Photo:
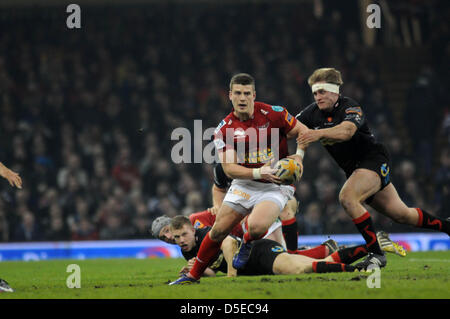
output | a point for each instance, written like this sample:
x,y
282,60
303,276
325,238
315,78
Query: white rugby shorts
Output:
x,y
244,194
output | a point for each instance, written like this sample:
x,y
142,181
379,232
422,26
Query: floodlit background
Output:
x,y
87,114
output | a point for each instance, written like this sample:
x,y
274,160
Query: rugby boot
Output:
x,y
372,260
240,259
184,280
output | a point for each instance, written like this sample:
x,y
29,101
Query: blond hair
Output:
x,y
328,75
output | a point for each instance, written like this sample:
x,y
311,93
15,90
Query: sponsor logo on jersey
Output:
x,y
239,132
277,108
260,156
355,109
264,112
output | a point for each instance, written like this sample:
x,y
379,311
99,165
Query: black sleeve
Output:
x,y
304,116
353,112
220,178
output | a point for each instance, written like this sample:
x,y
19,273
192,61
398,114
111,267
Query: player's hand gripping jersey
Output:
x,y
231,132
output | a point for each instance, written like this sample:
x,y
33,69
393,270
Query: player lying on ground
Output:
x,y
339,123
267,257
161,230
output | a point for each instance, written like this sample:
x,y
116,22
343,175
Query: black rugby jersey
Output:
x,y
220,178
346,154
219,263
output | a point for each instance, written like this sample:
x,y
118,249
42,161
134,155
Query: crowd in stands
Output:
x,y
87,114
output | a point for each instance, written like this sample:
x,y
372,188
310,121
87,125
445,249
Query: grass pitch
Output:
x,y
423,275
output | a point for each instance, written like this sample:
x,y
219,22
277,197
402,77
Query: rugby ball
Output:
x,y
288,170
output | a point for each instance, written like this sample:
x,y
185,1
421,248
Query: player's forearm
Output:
x,y
235,171
339,133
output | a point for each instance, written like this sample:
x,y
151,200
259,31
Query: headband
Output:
x,y
330,87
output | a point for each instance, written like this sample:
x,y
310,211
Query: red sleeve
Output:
x,y
282,118
287,121
202,219
220,137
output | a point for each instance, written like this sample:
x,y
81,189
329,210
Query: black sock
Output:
x,y
426,220
290,233
325,266
365,227
350,254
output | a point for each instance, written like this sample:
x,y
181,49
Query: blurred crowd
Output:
x,y
87,114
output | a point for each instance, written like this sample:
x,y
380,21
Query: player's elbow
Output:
x,y
348,132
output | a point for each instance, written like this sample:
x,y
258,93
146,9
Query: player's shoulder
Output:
x,y
350,106
346,101
226,122
307,110
268,109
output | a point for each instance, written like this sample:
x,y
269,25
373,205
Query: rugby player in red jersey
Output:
x,y
251,136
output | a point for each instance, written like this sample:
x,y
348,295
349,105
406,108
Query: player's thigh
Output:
x,y
388,202
362,184
263,215
287,264
289,210
226,219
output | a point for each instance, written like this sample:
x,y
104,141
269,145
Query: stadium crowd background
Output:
x,y
87,115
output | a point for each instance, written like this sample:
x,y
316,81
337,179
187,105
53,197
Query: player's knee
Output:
x,y
257,229
287,214
217,234
346,200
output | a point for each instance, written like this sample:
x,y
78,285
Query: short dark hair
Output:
x,y
242,78
179,221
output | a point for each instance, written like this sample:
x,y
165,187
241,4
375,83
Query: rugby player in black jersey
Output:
x,y
339,123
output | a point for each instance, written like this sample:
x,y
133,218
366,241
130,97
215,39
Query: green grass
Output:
x,y
419,275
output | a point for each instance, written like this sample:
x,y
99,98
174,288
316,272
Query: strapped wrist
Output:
x,y
257,173
300,152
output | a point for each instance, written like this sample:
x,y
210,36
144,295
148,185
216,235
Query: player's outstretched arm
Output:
x,y
12,177
340,133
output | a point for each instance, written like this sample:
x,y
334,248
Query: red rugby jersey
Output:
x,y
232,131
